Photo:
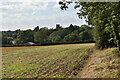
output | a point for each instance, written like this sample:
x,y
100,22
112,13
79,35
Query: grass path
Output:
x,y
89,69
102,64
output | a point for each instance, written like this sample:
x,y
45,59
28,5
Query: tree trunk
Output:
x,y
117,36
118,41
119,44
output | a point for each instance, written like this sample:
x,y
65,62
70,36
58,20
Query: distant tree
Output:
x,y
41,36
71,26
85,36
36,28
58,26
20,38
86,33
24,37
0,38
55,37
45,35
6,39
29,33
73,37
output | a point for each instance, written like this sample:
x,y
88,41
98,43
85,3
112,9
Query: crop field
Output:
x,y
58,61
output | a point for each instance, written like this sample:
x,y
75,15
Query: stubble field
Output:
x,y
59,61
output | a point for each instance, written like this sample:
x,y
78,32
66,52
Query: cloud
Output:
x,y
24,6
30,0
26,14
25,21
34,12
56,5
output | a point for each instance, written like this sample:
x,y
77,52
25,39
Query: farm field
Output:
x,y
59,61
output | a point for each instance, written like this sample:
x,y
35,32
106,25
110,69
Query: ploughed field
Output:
x,y
58,61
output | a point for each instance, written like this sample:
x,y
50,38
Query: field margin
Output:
x,y
0,58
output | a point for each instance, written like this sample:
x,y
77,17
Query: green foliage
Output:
x,y
36,28
24,37
6,38
79,34
73,37
41,35
104,17
70,34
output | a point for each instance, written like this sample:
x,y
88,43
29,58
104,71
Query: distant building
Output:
x,y
31,43
13,42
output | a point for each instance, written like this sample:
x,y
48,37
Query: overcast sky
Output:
x,y
26,14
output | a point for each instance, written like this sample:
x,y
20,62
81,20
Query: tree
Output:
x,y
55,37
101,16
40,36
73,37
6,37
85,36
24,37
36,28
58,26
6,40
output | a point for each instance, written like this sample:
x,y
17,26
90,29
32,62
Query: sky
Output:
x,y
27,14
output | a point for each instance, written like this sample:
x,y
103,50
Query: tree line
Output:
x,y
104,17
71,34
